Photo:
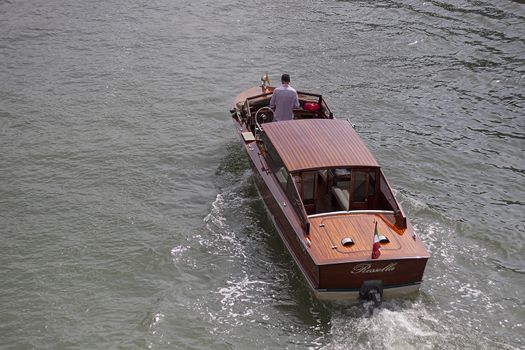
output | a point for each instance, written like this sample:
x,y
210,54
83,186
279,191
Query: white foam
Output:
x,y
395,327
177,251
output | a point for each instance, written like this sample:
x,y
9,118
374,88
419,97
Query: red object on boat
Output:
x,y
312,106
376,248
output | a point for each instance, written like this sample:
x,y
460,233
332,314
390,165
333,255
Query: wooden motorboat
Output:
x,y
329,200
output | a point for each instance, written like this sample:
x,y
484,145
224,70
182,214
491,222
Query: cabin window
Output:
x,y
291,192
342,178
295,200
343,173
341,187
354,189
359,186
275,162
372,184
308,187
282,176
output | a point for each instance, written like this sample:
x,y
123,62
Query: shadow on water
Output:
x,y
234,163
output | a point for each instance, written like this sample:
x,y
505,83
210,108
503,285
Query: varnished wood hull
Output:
x,y
289,235
331,270
334,281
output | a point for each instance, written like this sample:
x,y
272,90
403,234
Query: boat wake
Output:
x,y
405,325
450,309
220,223
240,297
256,295
447,311
255,284
397,325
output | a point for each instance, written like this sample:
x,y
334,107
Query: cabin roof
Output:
x,y
318,143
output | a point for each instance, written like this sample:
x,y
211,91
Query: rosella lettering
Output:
x,y
367,268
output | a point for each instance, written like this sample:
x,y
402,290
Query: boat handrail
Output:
x,y
351,212
264,94
259,96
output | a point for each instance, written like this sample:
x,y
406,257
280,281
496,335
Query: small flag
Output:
x,y
376,250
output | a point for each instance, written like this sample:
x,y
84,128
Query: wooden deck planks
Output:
x,y
327,232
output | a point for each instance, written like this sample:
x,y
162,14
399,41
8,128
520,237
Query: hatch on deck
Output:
x,y
248,136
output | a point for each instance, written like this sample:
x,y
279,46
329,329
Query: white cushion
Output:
x,y
343,197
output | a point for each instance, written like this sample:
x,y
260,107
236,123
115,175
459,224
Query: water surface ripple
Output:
x,y
128,215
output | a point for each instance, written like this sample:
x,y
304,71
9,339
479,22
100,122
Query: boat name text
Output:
x,y
367,268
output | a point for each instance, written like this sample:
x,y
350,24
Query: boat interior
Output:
x,y
333,190
329,192
255,110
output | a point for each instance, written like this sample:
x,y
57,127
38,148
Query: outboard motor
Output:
x,y
372,290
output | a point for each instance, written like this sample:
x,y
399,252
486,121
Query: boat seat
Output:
x,y
342,196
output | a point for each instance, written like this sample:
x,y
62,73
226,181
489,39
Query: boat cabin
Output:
x,y
323,166
321,163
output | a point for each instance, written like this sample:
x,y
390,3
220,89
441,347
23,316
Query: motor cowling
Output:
x,y
372,290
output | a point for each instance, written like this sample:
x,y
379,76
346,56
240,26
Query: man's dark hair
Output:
x,y
285,78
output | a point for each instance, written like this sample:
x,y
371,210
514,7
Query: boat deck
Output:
x,y
328,230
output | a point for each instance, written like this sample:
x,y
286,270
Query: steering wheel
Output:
x,y
263,115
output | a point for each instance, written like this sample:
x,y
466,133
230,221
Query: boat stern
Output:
x,y
342,245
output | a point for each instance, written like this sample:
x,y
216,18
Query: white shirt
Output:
x,y
283,100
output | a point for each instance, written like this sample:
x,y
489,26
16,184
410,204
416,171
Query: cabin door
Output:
x,y
359,192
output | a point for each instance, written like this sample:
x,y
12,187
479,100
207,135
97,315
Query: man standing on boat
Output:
x,y
284,99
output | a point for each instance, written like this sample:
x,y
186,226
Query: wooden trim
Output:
x,y
390,212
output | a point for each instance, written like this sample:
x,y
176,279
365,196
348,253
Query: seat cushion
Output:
x,y
342,196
